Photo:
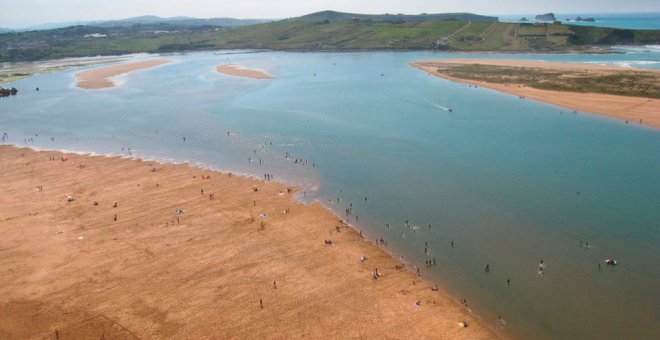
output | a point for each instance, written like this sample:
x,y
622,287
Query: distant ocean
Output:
x,y
621,20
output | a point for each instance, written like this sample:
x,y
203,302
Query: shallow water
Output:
x,y
509,181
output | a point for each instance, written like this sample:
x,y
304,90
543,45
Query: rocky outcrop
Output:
x,y
546,17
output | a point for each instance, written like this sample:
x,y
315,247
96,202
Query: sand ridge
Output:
x,y
630,109
99,78
193,253
240,71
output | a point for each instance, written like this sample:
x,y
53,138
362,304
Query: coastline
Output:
x,y
14,71
638,110
99,78
240,71
138,273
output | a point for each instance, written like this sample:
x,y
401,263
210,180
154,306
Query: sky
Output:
x,y
23,13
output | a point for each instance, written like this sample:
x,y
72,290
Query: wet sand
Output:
x,y
99,78
20,70
239,71
70,268
632,109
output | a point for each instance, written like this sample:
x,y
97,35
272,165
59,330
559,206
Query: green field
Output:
x,y
309,35
628,83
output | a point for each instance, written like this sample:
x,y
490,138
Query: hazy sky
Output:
x,y
21,13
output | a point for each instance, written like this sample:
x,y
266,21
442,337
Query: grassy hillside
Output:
x,y
312,35
180,21
629,83
332,16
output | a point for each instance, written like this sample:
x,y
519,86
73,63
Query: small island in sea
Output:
x,y
546,17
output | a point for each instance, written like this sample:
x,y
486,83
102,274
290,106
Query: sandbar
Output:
x,y
239,71
99,78
628,108
194,253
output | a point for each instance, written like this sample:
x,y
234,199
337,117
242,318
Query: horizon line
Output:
x,y
82,21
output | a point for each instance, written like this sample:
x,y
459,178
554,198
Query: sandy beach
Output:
x,y
193,253
10,72
239,71
99,78
631,109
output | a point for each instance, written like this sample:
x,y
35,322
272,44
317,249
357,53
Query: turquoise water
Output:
x,y
647,21
509,181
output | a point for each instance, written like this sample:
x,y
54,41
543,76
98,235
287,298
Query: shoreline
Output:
x,y
634,110
318,219
243,72
13,71
591,49
100,78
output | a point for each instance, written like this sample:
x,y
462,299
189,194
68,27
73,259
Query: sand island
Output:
x,y
240,71
104,247
630,94
99,78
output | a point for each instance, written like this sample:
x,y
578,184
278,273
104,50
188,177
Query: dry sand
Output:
x,y
633,109
239,71
99,78
70,268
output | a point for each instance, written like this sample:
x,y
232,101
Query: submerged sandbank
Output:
x,y
99,78
189,252
631,109
239,71
19,70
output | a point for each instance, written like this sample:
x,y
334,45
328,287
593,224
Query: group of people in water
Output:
x,y
349,210
5,138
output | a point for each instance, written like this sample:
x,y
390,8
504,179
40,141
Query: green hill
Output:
x,y
332,16
323,31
